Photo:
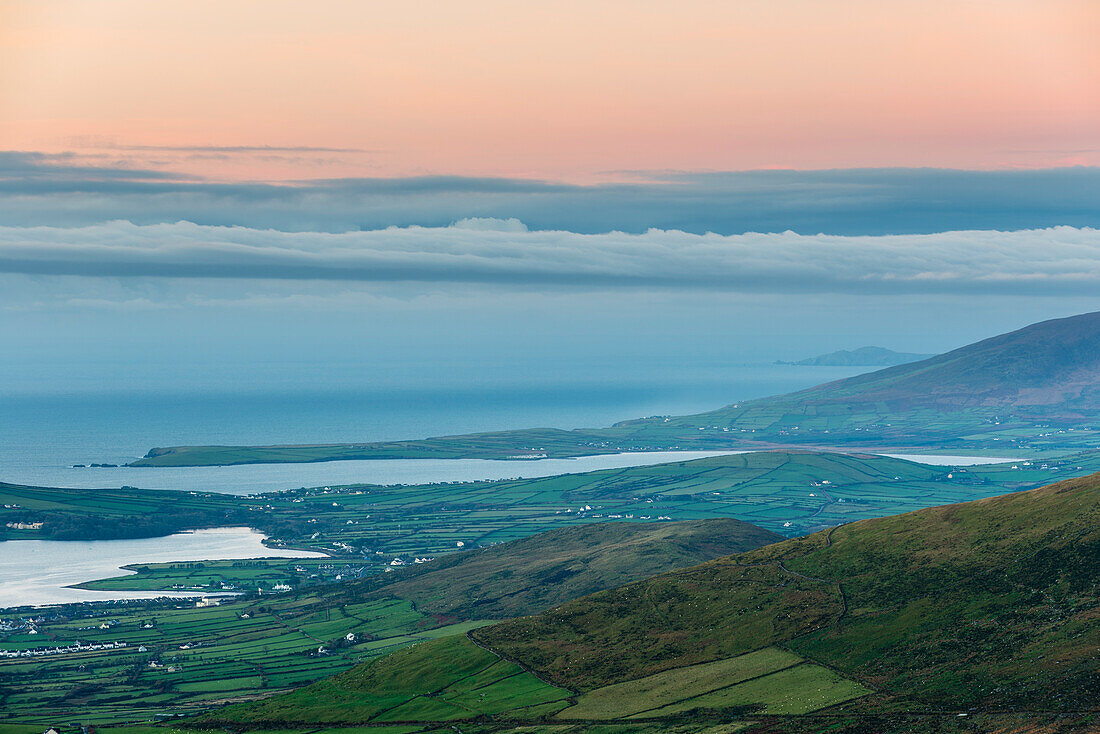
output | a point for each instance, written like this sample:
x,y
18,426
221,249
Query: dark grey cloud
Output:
x,y
28,168
37,189
1060,261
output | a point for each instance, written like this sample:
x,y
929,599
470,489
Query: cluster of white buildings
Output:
x,y
76,647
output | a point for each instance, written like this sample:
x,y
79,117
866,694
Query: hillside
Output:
x,y
1034,389
260,645
991,603
1054,364
539,572
861,357
987,608
106,514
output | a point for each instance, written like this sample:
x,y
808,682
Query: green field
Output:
x,y
672,687
196,658
792,493
452,679
801,689
229,656
448,679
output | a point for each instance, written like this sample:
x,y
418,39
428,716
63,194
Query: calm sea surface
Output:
x,y
44,432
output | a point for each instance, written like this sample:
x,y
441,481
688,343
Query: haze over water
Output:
x,y
84,425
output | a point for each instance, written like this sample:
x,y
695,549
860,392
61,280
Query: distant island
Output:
x,y
862,357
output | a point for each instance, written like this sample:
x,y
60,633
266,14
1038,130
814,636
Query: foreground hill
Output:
x,y
988,604
1032,389
988,609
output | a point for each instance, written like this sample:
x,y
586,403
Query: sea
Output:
x,y
45,432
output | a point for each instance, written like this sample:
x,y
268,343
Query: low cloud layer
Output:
x,y
1060,261
62,190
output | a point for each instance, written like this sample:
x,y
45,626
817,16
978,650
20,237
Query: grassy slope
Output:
x,y
428,682
231,655
453,679
989,604
987,608
998,388
536,573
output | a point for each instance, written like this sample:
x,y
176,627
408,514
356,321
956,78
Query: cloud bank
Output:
x,y
1059,261
39,189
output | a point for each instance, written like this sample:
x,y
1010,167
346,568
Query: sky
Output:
x,y
576,90
524,190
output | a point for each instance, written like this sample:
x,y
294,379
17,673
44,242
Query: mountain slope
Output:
x,y
253,646
1005,392
987,610
991,603
1054,363
541,571
1032,389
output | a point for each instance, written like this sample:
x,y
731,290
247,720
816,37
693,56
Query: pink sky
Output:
x,y
570,89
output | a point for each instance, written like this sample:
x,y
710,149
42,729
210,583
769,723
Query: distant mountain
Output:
x,y
862,357
1054,364
985,610
1035,388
